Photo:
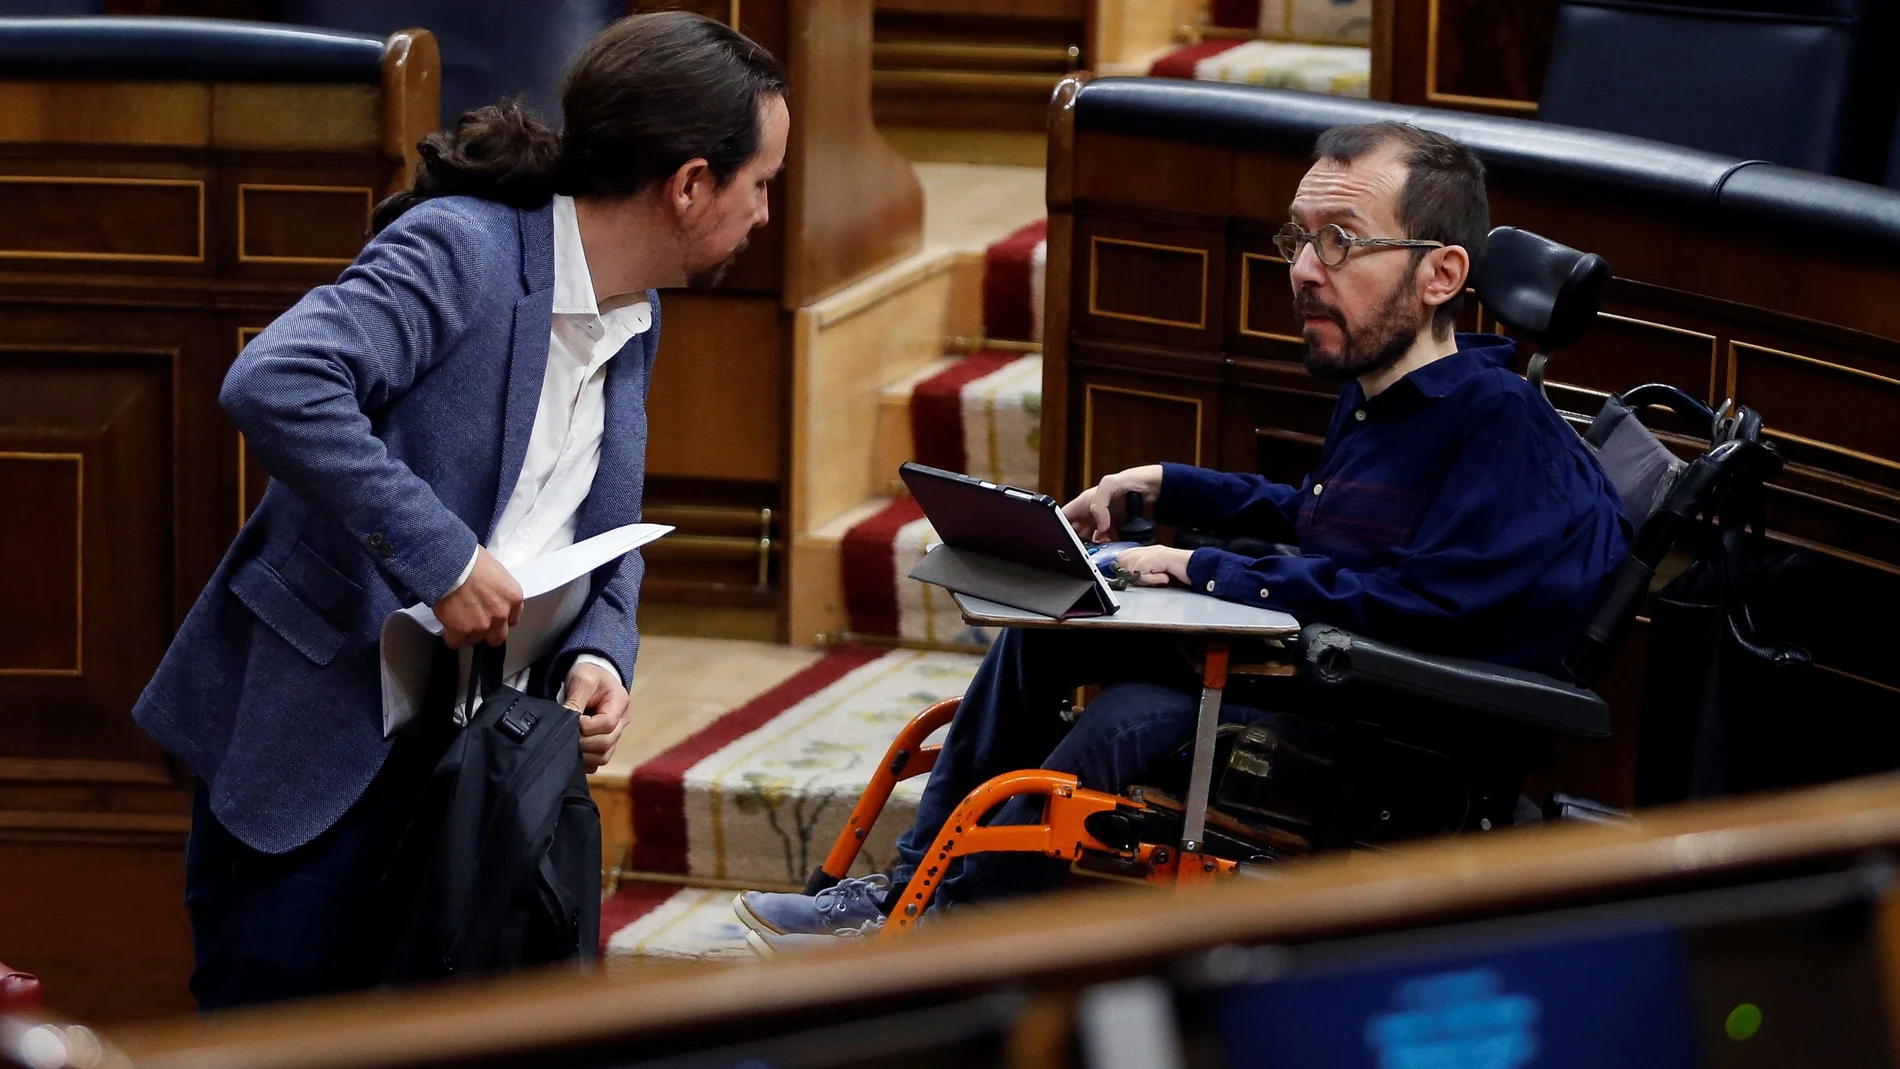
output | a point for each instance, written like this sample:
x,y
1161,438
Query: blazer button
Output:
x,y
387,550
1210,586
1263,593
376,539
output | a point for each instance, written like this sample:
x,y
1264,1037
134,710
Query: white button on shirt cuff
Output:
x,y
1210,586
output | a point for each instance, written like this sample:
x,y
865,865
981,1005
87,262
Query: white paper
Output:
x,y
554,589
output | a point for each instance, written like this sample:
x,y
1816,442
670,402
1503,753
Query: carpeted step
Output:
x,y
756,797
1013,272
1318,46
652,923
981,415
881,599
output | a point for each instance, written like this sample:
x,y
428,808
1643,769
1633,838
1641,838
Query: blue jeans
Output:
x,y
1009,721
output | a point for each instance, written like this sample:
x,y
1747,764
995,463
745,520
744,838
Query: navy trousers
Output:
x,y
1009,720
270,927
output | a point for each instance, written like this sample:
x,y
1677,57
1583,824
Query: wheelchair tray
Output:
x,y
1156,609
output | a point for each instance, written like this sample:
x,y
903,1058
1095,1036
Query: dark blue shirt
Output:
x,y
1456,513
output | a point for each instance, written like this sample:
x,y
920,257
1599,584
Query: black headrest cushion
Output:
x,y
1541,290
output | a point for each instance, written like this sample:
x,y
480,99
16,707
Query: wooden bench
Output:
x,y
167,187
1044,953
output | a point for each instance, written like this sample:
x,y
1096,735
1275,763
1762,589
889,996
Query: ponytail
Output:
x,y
645,96
498,153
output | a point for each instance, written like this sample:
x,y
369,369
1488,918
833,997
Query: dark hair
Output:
x,y
647,94
1443,198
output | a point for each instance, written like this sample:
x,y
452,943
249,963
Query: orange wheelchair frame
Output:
x,y
1067,808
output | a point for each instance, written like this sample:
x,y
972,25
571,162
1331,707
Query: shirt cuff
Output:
x,y
1228,576
467,571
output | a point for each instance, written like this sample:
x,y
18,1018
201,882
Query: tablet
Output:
x,y
1005,522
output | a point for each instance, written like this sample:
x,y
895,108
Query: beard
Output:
x,y
1364,348
712,275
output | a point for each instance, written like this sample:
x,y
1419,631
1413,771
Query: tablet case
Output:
x,y
1006,582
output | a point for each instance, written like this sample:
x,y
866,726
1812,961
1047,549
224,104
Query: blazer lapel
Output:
x,y
528,357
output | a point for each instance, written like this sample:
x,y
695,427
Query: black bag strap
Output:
x,y
484,676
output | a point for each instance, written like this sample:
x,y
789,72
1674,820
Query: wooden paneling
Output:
x,y
852,203
330,118
302,224
1161,282
86,434
1474,55
97,218
848,206
975,64
102,924
717,408
145,234
42,563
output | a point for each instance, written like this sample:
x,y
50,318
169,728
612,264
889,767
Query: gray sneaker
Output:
x,y
768,945
849,905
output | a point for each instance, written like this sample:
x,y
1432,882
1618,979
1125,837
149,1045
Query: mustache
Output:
x,y
1309,305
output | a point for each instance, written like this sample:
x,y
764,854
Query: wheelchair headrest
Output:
x,y
1541,290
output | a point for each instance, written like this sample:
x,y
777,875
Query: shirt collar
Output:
x,y
574,284
1476,353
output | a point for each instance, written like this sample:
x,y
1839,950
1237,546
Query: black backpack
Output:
x,y
500,865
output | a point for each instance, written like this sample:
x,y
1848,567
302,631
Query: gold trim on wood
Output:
x,y
1094,277
1246,292
1088,421
79,567
1431,75
118,257
1858,679
1833,551
246,257
1734,369
1714,345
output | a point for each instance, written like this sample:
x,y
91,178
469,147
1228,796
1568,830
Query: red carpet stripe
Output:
x,y
936,409
1006,290
658,787
1181,62
632,901
869,559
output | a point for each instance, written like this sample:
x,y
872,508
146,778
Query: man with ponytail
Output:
x,y
469,395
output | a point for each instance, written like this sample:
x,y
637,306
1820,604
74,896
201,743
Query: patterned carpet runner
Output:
x,y
660,922
1318,46
756,798
981,415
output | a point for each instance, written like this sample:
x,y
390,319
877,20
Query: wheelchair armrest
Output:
x,y
1338,657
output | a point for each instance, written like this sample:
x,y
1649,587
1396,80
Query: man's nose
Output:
x,y
1306,268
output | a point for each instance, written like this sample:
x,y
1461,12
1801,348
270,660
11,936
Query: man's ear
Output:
x,y
1443,274
690,187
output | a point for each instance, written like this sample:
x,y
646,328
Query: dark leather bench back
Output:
x,y
113,48
1795,82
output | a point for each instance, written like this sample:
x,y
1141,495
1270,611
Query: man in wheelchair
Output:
x,y
1453,511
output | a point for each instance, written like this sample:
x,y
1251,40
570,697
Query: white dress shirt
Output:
x,y
564,446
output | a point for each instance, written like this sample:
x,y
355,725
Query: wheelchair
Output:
x,y
1411,745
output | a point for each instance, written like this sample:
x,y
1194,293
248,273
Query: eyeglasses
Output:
x,y
1331,243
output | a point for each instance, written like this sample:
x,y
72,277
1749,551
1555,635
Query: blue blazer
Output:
x,y
392,410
